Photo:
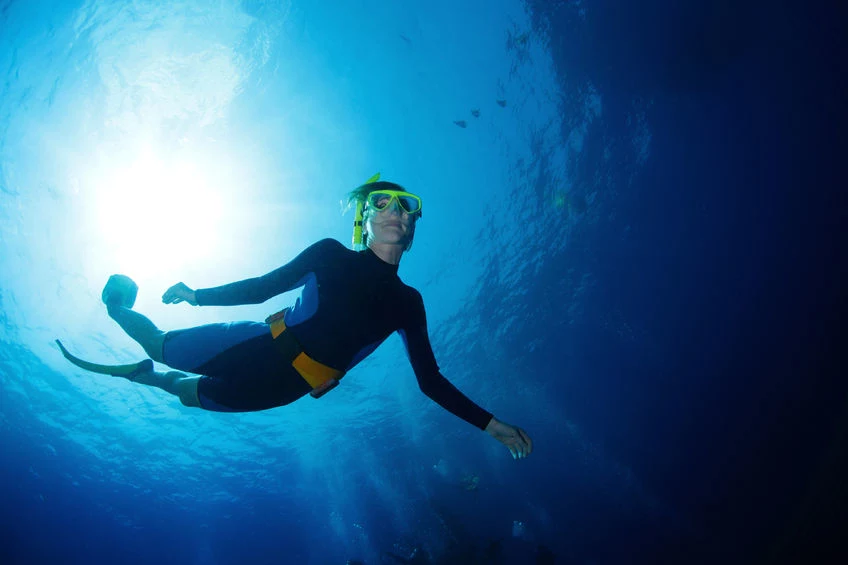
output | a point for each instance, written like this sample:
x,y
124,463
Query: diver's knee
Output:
x,y
156,347
187,391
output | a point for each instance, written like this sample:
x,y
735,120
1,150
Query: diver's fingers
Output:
x,y
172,295
522,450
516,449
524,445
527,440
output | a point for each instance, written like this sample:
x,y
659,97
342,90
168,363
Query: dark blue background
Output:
x,y
734,263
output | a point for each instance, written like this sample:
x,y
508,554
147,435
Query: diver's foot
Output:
x,y
130,373
120,290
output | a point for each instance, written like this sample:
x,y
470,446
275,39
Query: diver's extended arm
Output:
x,y
430,379
255,290
438,388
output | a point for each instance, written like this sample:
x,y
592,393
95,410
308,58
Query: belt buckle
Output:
x,y
323,389
276,316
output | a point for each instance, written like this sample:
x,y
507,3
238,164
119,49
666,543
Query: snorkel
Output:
x,y
358,242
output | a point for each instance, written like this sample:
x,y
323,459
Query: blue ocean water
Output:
x,y
631,249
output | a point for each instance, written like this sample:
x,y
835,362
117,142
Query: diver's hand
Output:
x,y
179,293
515,439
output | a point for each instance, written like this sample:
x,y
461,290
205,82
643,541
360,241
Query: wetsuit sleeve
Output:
x,y
430,379
260,289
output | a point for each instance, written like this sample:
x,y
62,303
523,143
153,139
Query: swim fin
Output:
x,y
120,290
114,370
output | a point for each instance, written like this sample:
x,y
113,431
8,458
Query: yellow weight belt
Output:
x,y
320,377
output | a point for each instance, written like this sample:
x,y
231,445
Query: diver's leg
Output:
x,y
141,329
174,382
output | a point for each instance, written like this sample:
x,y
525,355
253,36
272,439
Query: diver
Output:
x,y
350,302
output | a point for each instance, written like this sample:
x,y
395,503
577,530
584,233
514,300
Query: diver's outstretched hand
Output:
x,y
179,293
515,439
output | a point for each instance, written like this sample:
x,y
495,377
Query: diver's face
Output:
x,y
392,225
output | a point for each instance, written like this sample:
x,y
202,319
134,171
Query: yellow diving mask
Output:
x,y
382,199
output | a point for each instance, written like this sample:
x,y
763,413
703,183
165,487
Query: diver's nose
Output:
x,y
394,208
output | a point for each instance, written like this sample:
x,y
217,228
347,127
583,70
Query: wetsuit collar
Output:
x,y
379,264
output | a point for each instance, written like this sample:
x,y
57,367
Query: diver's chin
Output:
x,y
400,242
394,236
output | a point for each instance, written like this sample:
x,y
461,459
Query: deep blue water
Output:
x,y
638,258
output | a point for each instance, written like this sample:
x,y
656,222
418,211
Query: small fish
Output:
x,y
405,38
461,123
501,103
475,112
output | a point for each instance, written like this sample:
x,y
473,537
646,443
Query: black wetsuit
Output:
x,y
350,303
